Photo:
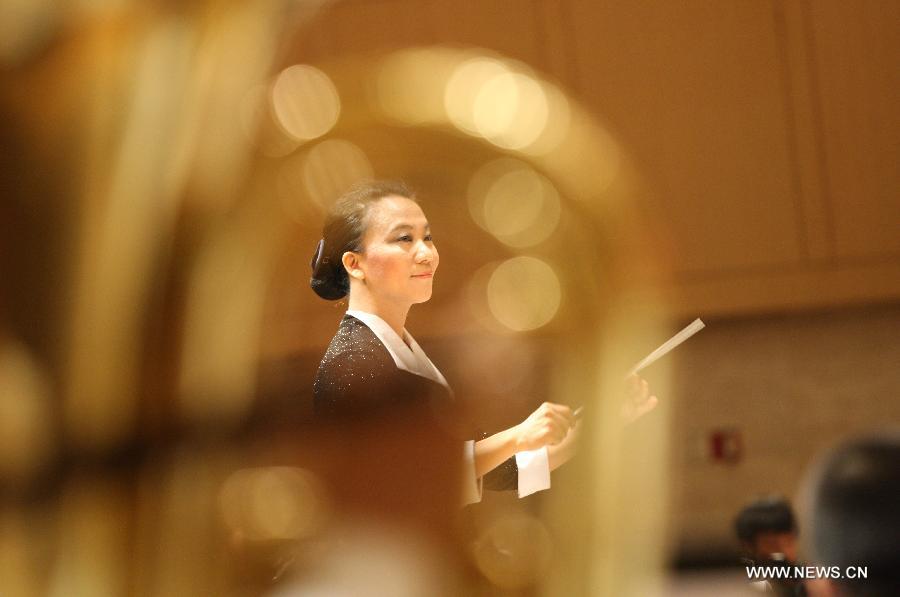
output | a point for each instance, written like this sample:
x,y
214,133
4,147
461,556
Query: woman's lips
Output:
x,y
425,275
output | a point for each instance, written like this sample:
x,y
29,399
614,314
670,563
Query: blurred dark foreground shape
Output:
x,y
152,171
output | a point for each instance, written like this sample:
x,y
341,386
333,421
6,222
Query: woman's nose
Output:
x,y
424,253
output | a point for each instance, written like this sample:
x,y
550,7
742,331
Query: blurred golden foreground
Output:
x,y
165,169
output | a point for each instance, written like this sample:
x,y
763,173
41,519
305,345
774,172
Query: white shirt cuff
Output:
x,y
471,483
534,471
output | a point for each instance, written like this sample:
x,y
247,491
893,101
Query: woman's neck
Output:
x,y
393,314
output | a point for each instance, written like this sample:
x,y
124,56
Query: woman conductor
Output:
x,y
378,249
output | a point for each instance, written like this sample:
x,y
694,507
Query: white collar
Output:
x,y
408,355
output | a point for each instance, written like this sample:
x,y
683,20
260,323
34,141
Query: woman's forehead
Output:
x,y
391,211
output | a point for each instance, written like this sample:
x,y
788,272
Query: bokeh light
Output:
x,y
513,202
523,293
331,167
584,146
493,99
511,110
464,86
269,503
559,120
305,102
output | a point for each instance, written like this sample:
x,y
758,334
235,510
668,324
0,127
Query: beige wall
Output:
x,y
790,386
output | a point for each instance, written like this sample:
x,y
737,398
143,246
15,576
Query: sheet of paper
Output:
x,y
691,329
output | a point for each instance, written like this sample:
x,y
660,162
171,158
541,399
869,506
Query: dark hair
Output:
x,y
771,514
854,513
344,228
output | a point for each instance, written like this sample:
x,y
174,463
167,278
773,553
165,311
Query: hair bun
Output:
x,y
328,280
330,287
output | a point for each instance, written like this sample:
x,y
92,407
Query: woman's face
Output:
x,y
399,258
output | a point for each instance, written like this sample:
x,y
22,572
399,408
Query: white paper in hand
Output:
x,y
691,329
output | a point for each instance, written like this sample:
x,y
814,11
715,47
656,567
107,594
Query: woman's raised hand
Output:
x,y
548,425
638,400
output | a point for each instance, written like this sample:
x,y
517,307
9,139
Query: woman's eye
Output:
x,y
428,237
405,238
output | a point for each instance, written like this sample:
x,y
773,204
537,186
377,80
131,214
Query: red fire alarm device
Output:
x,y
725,446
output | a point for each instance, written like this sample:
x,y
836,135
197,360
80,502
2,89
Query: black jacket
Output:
x,y
358,378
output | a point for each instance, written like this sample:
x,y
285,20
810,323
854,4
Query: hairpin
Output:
x,y
317,256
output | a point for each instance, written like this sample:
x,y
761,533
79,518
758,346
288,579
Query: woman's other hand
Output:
x,y
638,400
546,426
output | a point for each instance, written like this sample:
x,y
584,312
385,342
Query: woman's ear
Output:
x,y
351,263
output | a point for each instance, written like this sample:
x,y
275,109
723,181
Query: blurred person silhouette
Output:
x,y
767,530
853,508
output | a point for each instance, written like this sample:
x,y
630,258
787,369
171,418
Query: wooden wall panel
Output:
x,y
694,91
511,27
791,289
792,29
364,26
855,57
